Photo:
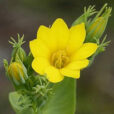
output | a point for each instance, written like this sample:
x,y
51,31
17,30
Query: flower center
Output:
x,y
59,59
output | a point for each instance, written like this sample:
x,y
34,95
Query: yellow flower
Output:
x,y
59,51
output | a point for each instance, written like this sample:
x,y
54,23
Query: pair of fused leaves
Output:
x,y
20,103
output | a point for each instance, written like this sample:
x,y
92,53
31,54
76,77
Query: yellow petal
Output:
x,y
60,32
40,64
77,65
44,34
39,49
85,51
77,37
70,73
53,74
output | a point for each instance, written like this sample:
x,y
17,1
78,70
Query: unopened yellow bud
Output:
x,y
97,25
16,73
97,28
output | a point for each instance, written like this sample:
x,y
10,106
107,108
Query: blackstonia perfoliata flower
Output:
x,y
59,51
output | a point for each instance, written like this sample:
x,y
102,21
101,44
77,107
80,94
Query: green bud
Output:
x,y
17,73
17,49
20,52
97,26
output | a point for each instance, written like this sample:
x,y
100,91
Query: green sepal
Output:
x,y
5,62
21,77
84,17
101,48
17,59
17,49
28,64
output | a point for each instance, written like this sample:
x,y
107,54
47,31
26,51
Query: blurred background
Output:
x,y
96,85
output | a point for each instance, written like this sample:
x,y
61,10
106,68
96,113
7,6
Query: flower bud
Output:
x,y
17,73
97,28
20,52
17,48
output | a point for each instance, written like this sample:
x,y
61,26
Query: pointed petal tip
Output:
x,y
59,21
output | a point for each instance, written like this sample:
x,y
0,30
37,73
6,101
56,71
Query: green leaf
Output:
x,y
20,108
63,101
26,111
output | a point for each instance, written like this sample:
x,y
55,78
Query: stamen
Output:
x,y
59,59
